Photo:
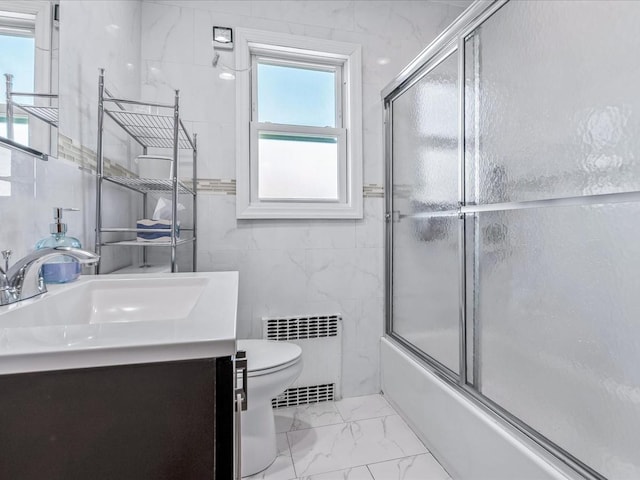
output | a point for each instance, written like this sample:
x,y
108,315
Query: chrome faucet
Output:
x,y
24,279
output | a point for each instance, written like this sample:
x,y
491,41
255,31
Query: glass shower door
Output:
x,y
542,274
554,178
425,193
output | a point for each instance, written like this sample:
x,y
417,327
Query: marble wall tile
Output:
x,y
370,230
233,7
274,276
169,33
218,227
320,234
332,14
362,331
413,18
361,371
218,260
302,306
278,234
373,315
216,155
373,135
344,273
244,326
204,97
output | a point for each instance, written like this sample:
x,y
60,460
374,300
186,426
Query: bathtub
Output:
x,y
469,441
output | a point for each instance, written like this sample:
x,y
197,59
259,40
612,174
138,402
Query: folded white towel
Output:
x,y
150,224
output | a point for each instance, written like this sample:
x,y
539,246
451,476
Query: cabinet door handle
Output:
x,y
241,365
238,449
240,404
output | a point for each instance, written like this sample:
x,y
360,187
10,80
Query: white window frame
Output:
x,y
283,49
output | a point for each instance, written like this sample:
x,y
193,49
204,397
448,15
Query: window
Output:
x,y
298,127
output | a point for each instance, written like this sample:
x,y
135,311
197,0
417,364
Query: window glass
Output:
x,y
301,156
20,129
297,166
18,58
293,95
5,172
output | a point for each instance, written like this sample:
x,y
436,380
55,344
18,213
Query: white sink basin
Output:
x,y
121,319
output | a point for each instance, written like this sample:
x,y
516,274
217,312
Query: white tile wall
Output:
x,y
290,267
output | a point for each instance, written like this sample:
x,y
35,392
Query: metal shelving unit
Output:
x,y
149,131
46,113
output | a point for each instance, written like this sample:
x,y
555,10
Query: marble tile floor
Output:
x,y
361,438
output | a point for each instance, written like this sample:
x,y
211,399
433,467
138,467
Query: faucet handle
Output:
x,y
6,254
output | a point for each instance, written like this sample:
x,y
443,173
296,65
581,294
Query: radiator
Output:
x,y
320,337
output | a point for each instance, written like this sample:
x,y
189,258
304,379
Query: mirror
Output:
x,y
100,35
29,39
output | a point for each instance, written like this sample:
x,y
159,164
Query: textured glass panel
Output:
x,y
425,286
297,167
425,141
296,96
556,96
425,250
558,305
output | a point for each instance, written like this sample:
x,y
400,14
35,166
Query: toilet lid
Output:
x,y
265,355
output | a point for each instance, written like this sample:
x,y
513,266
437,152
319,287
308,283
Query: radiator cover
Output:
x,y
320,337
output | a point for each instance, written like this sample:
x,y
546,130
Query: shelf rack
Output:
x,y
46,113
149,131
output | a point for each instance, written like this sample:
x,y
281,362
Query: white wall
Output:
x,y
289,267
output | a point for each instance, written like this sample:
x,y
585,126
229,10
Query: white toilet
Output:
x,y
271,368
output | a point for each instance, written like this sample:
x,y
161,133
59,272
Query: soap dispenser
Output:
x,y
62,269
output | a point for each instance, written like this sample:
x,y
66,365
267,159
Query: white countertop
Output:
x,y
121,319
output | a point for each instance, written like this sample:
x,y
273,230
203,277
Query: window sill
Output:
x,y
298,211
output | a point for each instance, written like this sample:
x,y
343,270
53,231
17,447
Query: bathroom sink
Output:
x,y
121,319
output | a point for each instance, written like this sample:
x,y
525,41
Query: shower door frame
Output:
x,y
448,49
452,41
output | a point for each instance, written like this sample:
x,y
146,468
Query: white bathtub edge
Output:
x,y
470,443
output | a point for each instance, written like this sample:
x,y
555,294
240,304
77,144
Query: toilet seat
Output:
x,y
268,356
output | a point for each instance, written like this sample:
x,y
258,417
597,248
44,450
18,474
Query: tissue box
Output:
x,y
149,224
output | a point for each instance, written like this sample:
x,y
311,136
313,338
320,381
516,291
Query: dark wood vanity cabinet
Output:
x,y
153,421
